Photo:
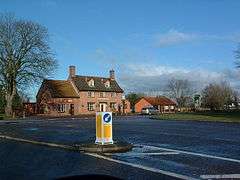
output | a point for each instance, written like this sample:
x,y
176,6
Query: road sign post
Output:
x,y
104,128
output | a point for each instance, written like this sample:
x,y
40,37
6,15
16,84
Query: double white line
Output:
x,y
194,154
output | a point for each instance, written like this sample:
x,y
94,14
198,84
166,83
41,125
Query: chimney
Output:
x,y
72,71
112,74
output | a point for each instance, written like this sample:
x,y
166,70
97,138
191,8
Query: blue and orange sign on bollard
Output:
x,y
104,128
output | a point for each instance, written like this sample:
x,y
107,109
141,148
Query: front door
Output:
x,y
72,109
103,107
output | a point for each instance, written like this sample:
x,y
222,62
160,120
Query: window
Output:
x,y
61,108
91,83
113,105
90,106
107,84
90,94
166,107
113,94
102,94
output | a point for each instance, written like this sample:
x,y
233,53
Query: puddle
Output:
x,y
140,152
31,129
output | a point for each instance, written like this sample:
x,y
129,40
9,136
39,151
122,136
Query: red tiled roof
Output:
x,y
159,101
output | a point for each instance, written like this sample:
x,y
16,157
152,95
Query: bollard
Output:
x,y
104,128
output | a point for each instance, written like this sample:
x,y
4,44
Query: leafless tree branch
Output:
x,y
25,55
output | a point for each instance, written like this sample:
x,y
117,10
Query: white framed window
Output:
x,y
91,83
61,108
113,105
166,107
107,84
90,94
113,94
90,106
102,94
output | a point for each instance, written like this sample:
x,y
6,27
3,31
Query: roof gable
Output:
x,y
60,88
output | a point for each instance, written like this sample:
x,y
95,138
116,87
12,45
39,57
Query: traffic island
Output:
x,y
87,147
104,142
117,147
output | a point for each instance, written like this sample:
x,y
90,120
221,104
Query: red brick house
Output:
x,y
29,108
163,104
81,95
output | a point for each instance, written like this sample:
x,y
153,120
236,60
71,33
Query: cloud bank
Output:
x,y
174,37
142,72
153,79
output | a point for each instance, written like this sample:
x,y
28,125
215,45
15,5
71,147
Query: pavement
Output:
x,y
162,149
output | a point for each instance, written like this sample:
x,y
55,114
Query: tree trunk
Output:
x,y
8,108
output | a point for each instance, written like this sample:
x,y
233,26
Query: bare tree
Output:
x,y
25,56
236,99
237,52
217,96
180,90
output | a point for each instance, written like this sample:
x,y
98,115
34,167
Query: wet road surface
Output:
x,y
183,149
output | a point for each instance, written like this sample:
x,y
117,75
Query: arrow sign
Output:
x,y
107,118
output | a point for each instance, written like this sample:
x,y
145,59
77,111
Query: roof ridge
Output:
x,y
93,77
99,85
55,80
154,99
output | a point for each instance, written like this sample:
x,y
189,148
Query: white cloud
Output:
x,y
235,37
154,78
153,70
173,37
147,76
49,3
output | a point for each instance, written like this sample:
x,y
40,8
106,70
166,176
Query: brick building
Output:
x,y
81,95
29,108
163,104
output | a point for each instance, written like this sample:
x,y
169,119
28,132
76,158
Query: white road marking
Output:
x,y
160,153
36,142
193,153
101,157
155,170
146,154
221,176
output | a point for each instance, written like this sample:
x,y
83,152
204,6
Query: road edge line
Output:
x,y
155,170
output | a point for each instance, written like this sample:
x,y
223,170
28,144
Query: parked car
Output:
x,y
149,110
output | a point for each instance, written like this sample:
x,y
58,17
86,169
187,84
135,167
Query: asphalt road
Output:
x,y
163,149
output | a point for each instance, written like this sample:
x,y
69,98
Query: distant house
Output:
x,y
81,95
163,104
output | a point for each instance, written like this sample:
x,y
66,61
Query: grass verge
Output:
x,y
2,116
202,116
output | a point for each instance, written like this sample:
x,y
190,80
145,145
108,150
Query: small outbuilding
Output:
x,y
162,103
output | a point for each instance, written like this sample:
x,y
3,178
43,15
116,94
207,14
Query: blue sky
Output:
x,y
146,42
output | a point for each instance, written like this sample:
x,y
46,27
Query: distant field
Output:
x,y
203,116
